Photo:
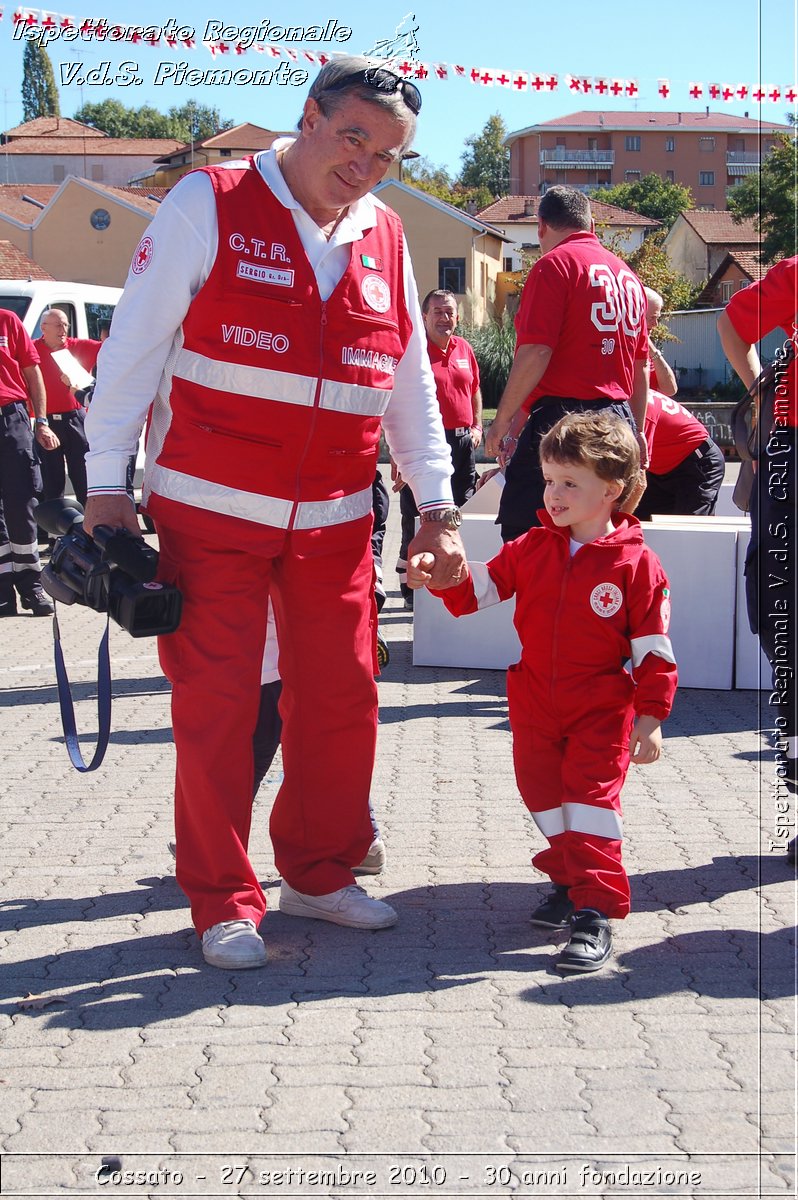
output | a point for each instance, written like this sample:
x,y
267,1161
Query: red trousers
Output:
x,y
320,582
571,756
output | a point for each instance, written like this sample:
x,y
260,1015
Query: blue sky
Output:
x,y
724,41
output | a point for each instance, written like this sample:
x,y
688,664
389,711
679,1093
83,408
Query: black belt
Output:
x,y
62,416
700,451
10,404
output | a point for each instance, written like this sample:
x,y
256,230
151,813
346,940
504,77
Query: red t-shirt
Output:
x,y
16,351
771,304
456,379
589,307
671,433
59,397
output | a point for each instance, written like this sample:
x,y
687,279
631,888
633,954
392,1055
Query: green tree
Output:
x,y
770,197
39,93
191,121
117,120
652,196
486,160
187,123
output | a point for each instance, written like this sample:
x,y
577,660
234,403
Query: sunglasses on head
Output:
x,y
381,80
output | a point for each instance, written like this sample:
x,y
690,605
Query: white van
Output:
x,y
88,306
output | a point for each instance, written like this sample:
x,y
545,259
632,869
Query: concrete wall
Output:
x,y
48,168
433,234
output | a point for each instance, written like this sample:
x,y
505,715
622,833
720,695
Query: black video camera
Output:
x,y
113,571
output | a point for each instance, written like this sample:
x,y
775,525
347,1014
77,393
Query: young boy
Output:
x,y
589,595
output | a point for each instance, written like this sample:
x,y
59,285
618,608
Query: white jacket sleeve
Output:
x,y
412,422
182,248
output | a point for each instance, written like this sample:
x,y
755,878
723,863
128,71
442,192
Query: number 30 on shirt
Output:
x,y
621,306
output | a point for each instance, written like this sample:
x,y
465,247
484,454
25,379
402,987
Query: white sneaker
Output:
x,y
234,946
374,862
348,906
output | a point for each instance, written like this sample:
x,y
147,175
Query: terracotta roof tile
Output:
x,y
147,147
511,208
62,127
15,264
13,205
749,261
718,226
605,119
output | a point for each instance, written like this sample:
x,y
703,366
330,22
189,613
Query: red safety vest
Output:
x,y
269,415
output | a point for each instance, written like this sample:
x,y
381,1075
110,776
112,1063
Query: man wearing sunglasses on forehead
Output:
x,y
270,325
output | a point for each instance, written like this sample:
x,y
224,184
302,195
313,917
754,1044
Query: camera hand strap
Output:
x,y
68,711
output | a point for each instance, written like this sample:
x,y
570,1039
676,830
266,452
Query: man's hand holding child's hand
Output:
x,y
419,570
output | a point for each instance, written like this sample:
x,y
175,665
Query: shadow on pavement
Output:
x,y
450,936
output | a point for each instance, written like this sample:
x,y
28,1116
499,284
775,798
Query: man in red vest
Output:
x,y
65,412
271,323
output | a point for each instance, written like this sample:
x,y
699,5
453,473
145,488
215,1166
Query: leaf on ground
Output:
x,y
36,1002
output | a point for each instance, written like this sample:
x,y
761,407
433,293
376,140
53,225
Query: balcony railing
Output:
x,y
578,158
578,187
743,156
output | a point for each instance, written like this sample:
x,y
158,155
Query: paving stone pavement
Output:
x,y
440,1056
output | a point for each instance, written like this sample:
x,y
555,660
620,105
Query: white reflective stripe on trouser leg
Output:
x,y
550,821
586,818
249,506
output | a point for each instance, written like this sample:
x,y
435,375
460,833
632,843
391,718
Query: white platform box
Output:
x,y
485,639
701,565
486,499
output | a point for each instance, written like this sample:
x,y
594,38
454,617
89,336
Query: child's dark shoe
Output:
x,y
590,944
556,910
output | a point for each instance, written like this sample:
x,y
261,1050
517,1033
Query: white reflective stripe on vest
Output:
x,y
351,398
484,588
249,506
586,818
281,386
580,818
655,643
550,821
315,514
238,380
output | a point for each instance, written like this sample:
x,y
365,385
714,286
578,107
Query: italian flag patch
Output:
x,y
373,264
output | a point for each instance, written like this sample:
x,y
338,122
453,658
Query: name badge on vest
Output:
x,y
248,270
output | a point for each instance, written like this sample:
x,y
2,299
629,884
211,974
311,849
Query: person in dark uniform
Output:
x,y
20,381
64,409
454,366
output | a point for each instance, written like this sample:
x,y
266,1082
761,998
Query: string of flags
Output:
x,y
53,25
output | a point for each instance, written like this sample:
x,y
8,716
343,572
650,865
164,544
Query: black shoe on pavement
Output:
x,y
792,850
36,599
8,604
408,597
383,653
556,910
590,944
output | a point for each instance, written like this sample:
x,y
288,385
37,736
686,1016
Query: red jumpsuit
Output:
x,y
571,702
260,461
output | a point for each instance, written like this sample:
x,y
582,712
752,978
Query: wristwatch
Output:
x,y
41,421
450,518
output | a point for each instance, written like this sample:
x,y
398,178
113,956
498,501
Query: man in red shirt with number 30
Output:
x,y
582,345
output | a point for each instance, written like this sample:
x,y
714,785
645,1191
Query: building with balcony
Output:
x,y
708,152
